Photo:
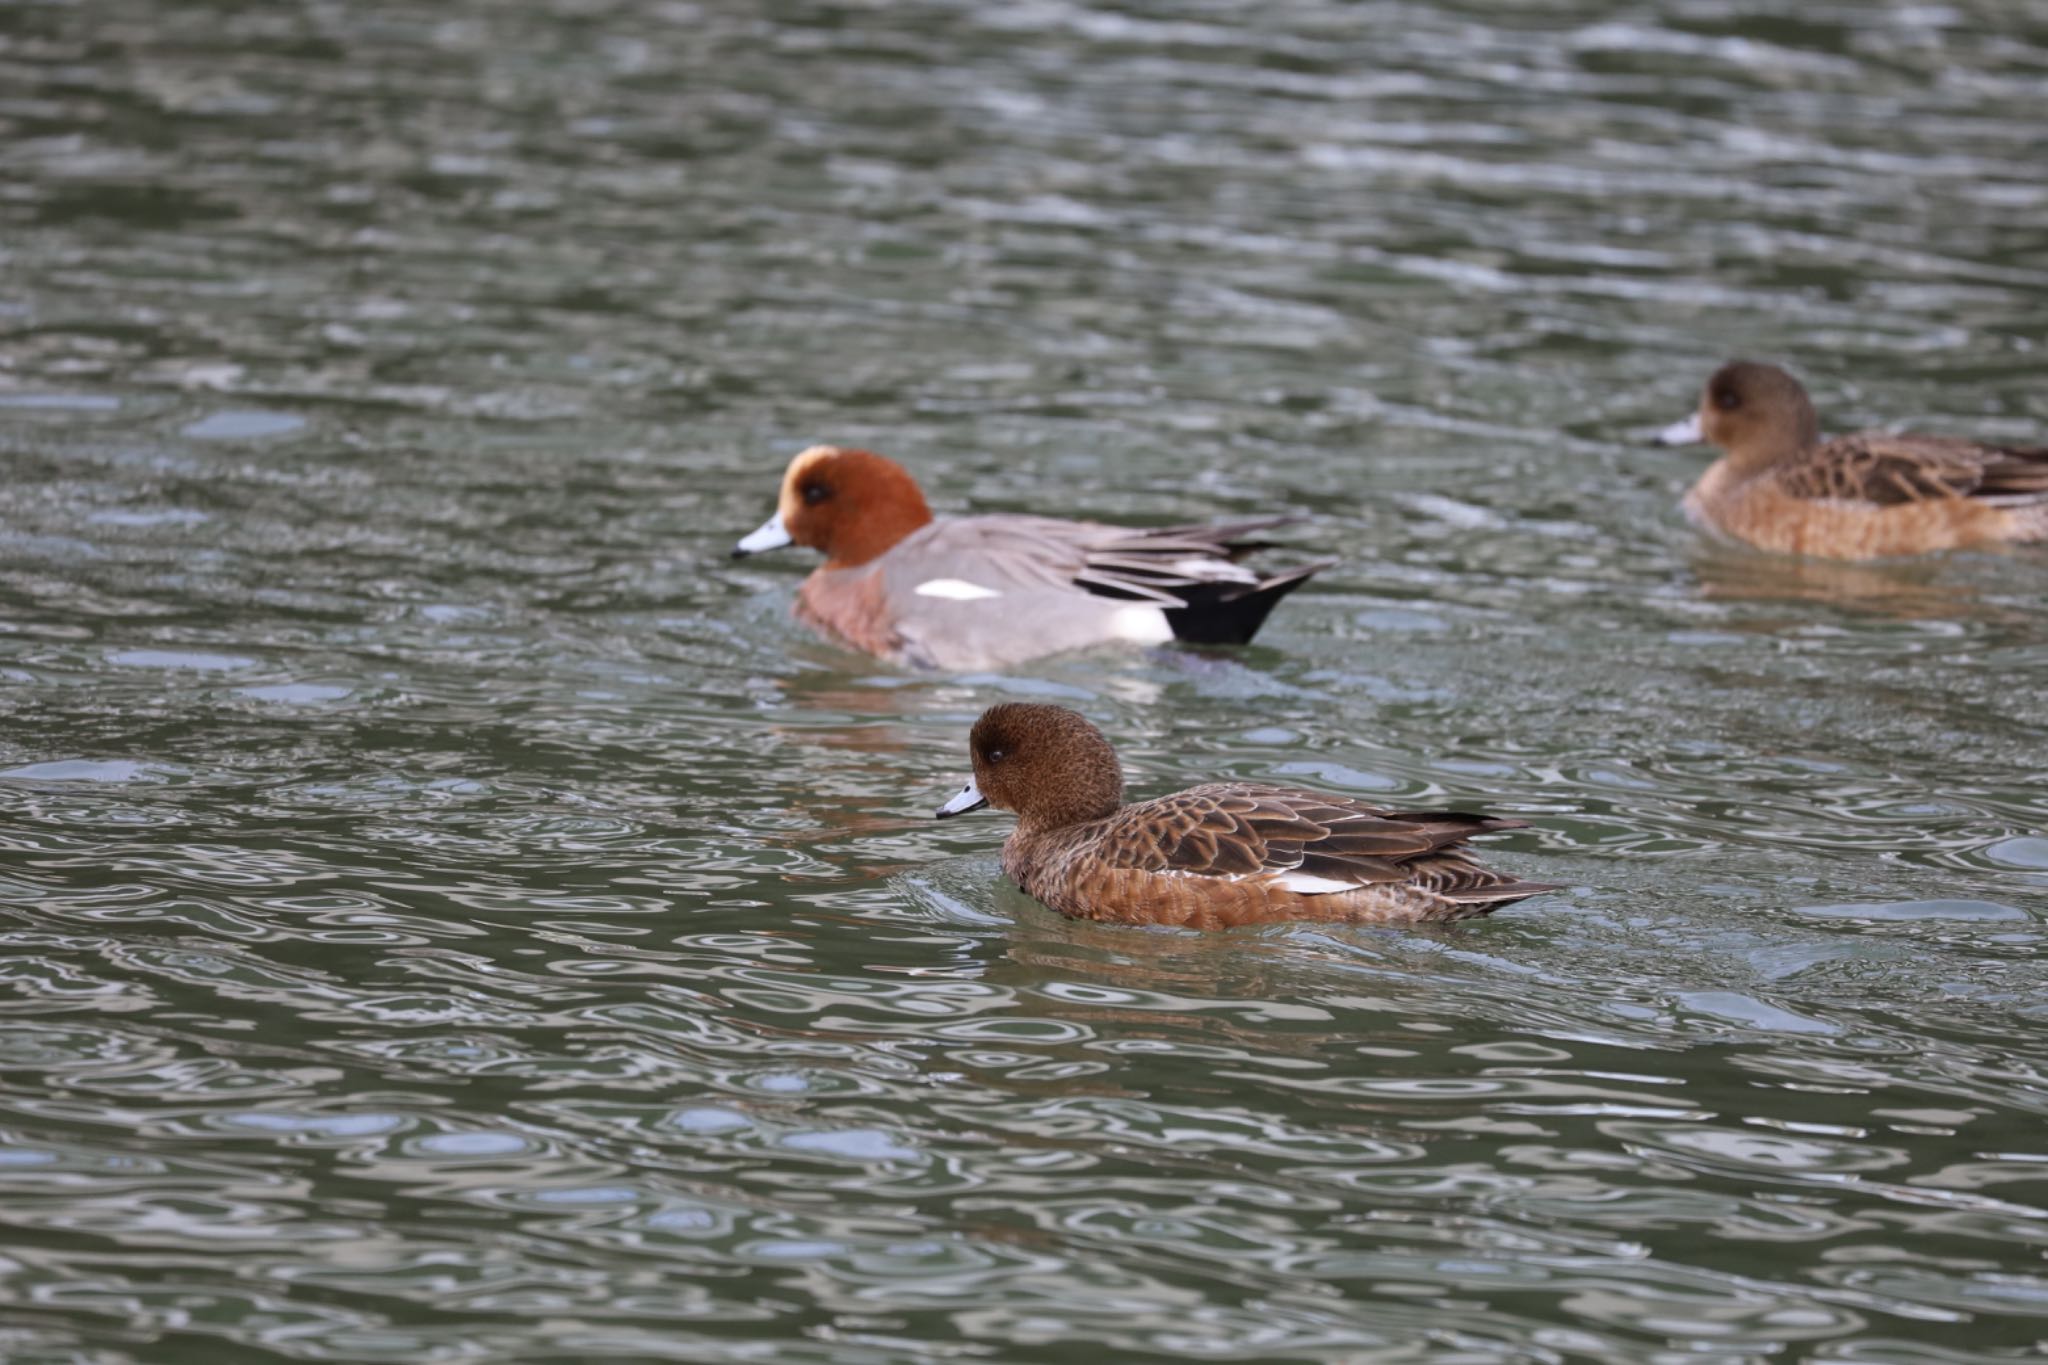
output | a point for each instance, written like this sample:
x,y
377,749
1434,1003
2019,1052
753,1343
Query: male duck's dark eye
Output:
x,y
996,755
815,493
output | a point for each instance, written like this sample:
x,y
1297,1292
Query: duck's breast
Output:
x,y
1763,512
851,605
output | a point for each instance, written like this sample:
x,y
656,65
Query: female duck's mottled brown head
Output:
x,y
1046,763
1758,413
852,504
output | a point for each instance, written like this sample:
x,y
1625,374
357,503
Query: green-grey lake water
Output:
x,y
449,912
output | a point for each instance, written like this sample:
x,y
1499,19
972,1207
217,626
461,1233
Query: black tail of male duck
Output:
x,y
1192,573
1231,613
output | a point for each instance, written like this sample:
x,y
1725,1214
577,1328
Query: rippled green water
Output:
x,y
448,912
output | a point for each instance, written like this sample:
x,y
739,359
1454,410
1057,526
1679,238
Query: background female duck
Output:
x,y
991,591
1861,496
1215,856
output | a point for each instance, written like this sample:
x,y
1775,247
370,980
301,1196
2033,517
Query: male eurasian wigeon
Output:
x,y
988,591
1215,856
1861,496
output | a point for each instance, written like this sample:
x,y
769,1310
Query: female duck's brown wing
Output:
x,y
1316,842
1890,469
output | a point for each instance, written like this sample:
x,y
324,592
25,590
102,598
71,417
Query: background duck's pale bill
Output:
x,y
1686,433
970,798
771,536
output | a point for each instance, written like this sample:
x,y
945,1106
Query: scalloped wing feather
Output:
x,y
1889,470
1245,829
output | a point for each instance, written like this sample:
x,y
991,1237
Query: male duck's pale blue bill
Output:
x,y
1686,433
970,798
771,536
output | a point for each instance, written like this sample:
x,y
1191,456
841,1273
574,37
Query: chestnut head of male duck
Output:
x,y
1213,856
987,591
851,504
1869,494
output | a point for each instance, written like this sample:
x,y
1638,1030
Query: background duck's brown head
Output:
x,y
852,504
1046,763
1757,413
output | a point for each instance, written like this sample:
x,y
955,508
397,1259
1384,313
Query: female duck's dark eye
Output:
x,y
815,493
995,756
1727,400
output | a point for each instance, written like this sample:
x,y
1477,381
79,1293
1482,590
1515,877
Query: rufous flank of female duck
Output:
x,y
1214,856
978,592
1866,495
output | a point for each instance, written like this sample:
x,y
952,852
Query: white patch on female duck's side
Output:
x,y
954,589
1309,885
1144,625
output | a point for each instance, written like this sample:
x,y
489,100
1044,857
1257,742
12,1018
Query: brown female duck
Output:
x,y
1215,856
1779,486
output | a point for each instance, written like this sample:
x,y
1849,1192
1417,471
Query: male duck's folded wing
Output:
x,y
1005,553
1161,563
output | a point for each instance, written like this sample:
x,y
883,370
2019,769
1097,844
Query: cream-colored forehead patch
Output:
x,y
954,589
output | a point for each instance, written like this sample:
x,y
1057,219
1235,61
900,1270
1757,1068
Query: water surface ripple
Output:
x,y
448,912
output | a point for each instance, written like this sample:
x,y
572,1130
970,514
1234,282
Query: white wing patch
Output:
x,y
954,589
1213,570
1308,885
1145,625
